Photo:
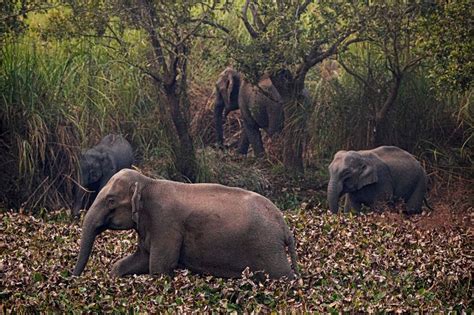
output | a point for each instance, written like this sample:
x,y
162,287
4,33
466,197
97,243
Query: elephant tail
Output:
x,y
290,243
427,204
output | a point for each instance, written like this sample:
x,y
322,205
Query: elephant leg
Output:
x,y
164,253
243,143
255,138
351,204
414,203
137,263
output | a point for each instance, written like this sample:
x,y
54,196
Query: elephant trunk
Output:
x,y
334,193
90,230
78,199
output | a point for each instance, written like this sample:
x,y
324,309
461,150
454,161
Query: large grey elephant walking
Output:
x,y
370,176
207,228
261,107
98,165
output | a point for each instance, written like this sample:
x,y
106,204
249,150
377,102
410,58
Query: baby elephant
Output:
x,y
206,228
369,176
98,165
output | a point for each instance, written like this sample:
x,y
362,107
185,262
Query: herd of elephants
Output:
x,y
219,230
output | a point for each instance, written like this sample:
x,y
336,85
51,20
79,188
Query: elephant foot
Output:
x,y
117,270
75,216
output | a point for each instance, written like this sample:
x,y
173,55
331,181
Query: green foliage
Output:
x,y
341,117
289,32
79,72
448,41
56,99
12,16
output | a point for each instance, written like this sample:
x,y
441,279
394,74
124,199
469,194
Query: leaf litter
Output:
x,y
371,262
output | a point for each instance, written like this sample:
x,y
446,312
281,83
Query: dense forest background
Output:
x,y
396,74
378,73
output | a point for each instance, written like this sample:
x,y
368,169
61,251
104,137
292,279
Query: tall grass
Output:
x,y
420,122
57,99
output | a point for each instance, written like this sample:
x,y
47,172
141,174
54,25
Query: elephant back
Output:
x,y
406,171
261,103
119,149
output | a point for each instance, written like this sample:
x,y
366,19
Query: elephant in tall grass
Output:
x,y
371,176
97,166
261,107
206,228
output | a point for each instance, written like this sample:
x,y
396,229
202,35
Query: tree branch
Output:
x,y
150,27
23,12
355,74
196,27
213,24
247,24
302,8
412,63
390,100
146,71
256,19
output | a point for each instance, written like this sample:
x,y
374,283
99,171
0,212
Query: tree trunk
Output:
x,y
184,153
295,130
293,157
381,115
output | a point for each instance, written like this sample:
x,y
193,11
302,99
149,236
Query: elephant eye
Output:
x,y
110,202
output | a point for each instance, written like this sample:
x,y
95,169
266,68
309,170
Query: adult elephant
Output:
x,y
261,106
371,176
97,166
206,228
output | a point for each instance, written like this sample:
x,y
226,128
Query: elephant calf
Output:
x,y
97,165
206,228
370,176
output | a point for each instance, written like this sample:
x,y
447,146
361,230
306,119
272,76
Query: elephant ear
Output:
x,y
368,175
136,201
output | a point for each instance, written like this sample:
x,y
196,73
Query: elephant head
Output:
x,y
349,171
114,209
94,166
226,99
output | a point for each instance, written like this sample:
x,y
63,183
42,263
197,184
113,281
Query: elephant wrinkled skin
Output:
x,y
206,228
370,176
98,165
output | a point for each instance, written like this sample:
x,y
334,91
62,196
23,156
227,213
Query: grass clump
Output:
x,y
221,167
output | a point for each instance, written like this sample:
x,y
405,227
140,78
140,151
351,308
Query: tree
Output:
x,y
447,39
293,36
389,54
168,29
13,14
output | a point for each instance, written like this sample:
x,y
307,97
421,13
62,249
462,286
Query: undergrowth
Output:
x,y
62,96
